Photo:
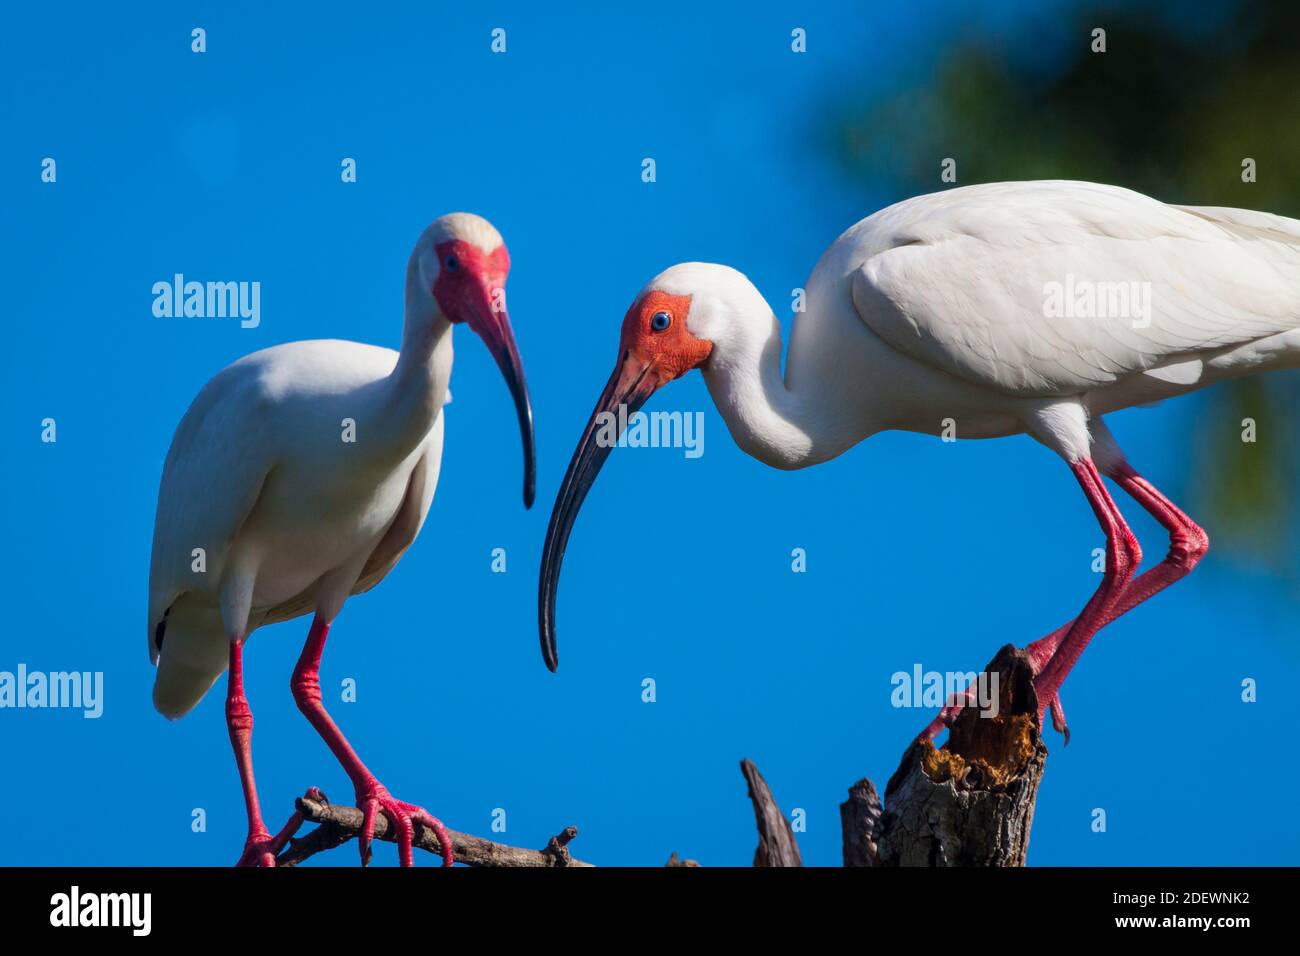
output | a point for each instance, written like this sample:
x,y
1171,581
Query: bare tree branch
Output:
x,y
337,825
776,843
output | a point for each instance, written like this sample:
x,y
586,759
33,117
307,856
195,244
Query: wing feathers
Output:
x,y
215,469
1054,288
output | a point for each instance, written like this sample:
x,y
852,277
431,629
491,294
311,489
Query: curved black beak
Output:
x,y
632,383
493,326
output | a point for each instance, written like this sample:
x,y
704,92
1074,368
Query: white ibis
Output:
x,y
304,472
1026,307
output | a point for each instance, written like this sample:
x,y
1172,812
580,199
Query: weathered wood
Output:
x,y
338,824
860,823
776,843
970,803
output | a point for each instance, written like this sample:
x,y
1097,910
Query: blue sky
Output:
x,y
225,165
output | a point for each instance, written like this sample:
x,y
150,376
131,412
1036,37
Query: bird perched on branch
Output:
x,y
1007,308
303,473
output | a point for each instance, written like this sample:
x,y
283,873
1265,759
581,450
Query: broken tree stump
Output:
x,y
969,803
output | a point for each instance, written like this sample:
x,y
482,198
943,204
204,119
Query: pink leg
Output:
x,y
1122,557
1053,656
1188,543
258,848
372,797
294,823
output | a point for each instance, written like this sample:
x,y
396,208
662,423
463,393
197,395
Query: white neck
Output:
x,y
417,388
779,426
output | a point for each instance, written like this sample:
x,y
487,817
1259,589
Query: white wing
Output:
x,y
218,460
966,281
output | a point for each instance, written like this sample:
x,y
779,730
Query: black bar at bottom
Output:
x,y
329,905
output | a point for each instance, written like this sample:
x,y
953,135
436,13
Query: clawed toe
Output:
x,y
259,850
403,816
1058,718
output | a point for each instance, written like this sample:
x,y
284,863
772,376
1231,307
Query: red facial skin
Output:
x,y
670,353
474,293
461,291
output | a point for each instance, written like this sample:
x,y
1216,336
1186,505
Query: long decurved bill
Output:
x,y
628,388
493,327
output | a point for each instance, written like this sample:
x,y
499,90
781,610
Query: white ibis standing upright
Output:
x,y
1032,307
304,472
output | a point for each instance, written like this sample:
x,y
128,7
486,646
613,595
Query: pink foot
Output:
x,y
259,850
945,717
373,798
1053,656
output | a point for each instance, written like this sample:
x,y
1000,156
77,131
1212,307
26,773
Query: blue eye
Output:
x,y
452,263
660,321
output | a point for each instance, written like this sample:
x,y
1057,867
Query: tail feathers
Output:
x,y
194,653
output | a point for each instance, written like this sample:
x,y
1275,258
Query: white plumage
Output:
x,y
937,308
298,477
960,284
290,517
981,311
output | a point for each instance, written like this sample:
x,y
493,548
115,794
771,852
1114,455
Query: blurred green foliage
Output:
x,y
1181,96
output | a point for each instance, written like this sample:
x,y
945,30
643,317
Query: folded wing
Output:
x,y
1054,288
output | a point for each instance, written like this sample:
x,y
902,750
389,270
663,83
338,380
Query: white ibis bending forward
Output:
x,y
292,518
1032,307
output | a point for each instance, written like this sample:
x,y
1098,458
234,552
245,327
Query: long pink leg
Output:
x,y
1122,558
372,796
258,848
1188,543
1123,555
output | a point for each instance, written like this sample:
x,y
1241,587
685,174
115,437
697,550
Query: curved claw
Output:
x,y
369,808
402,816
1058,718
427,819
